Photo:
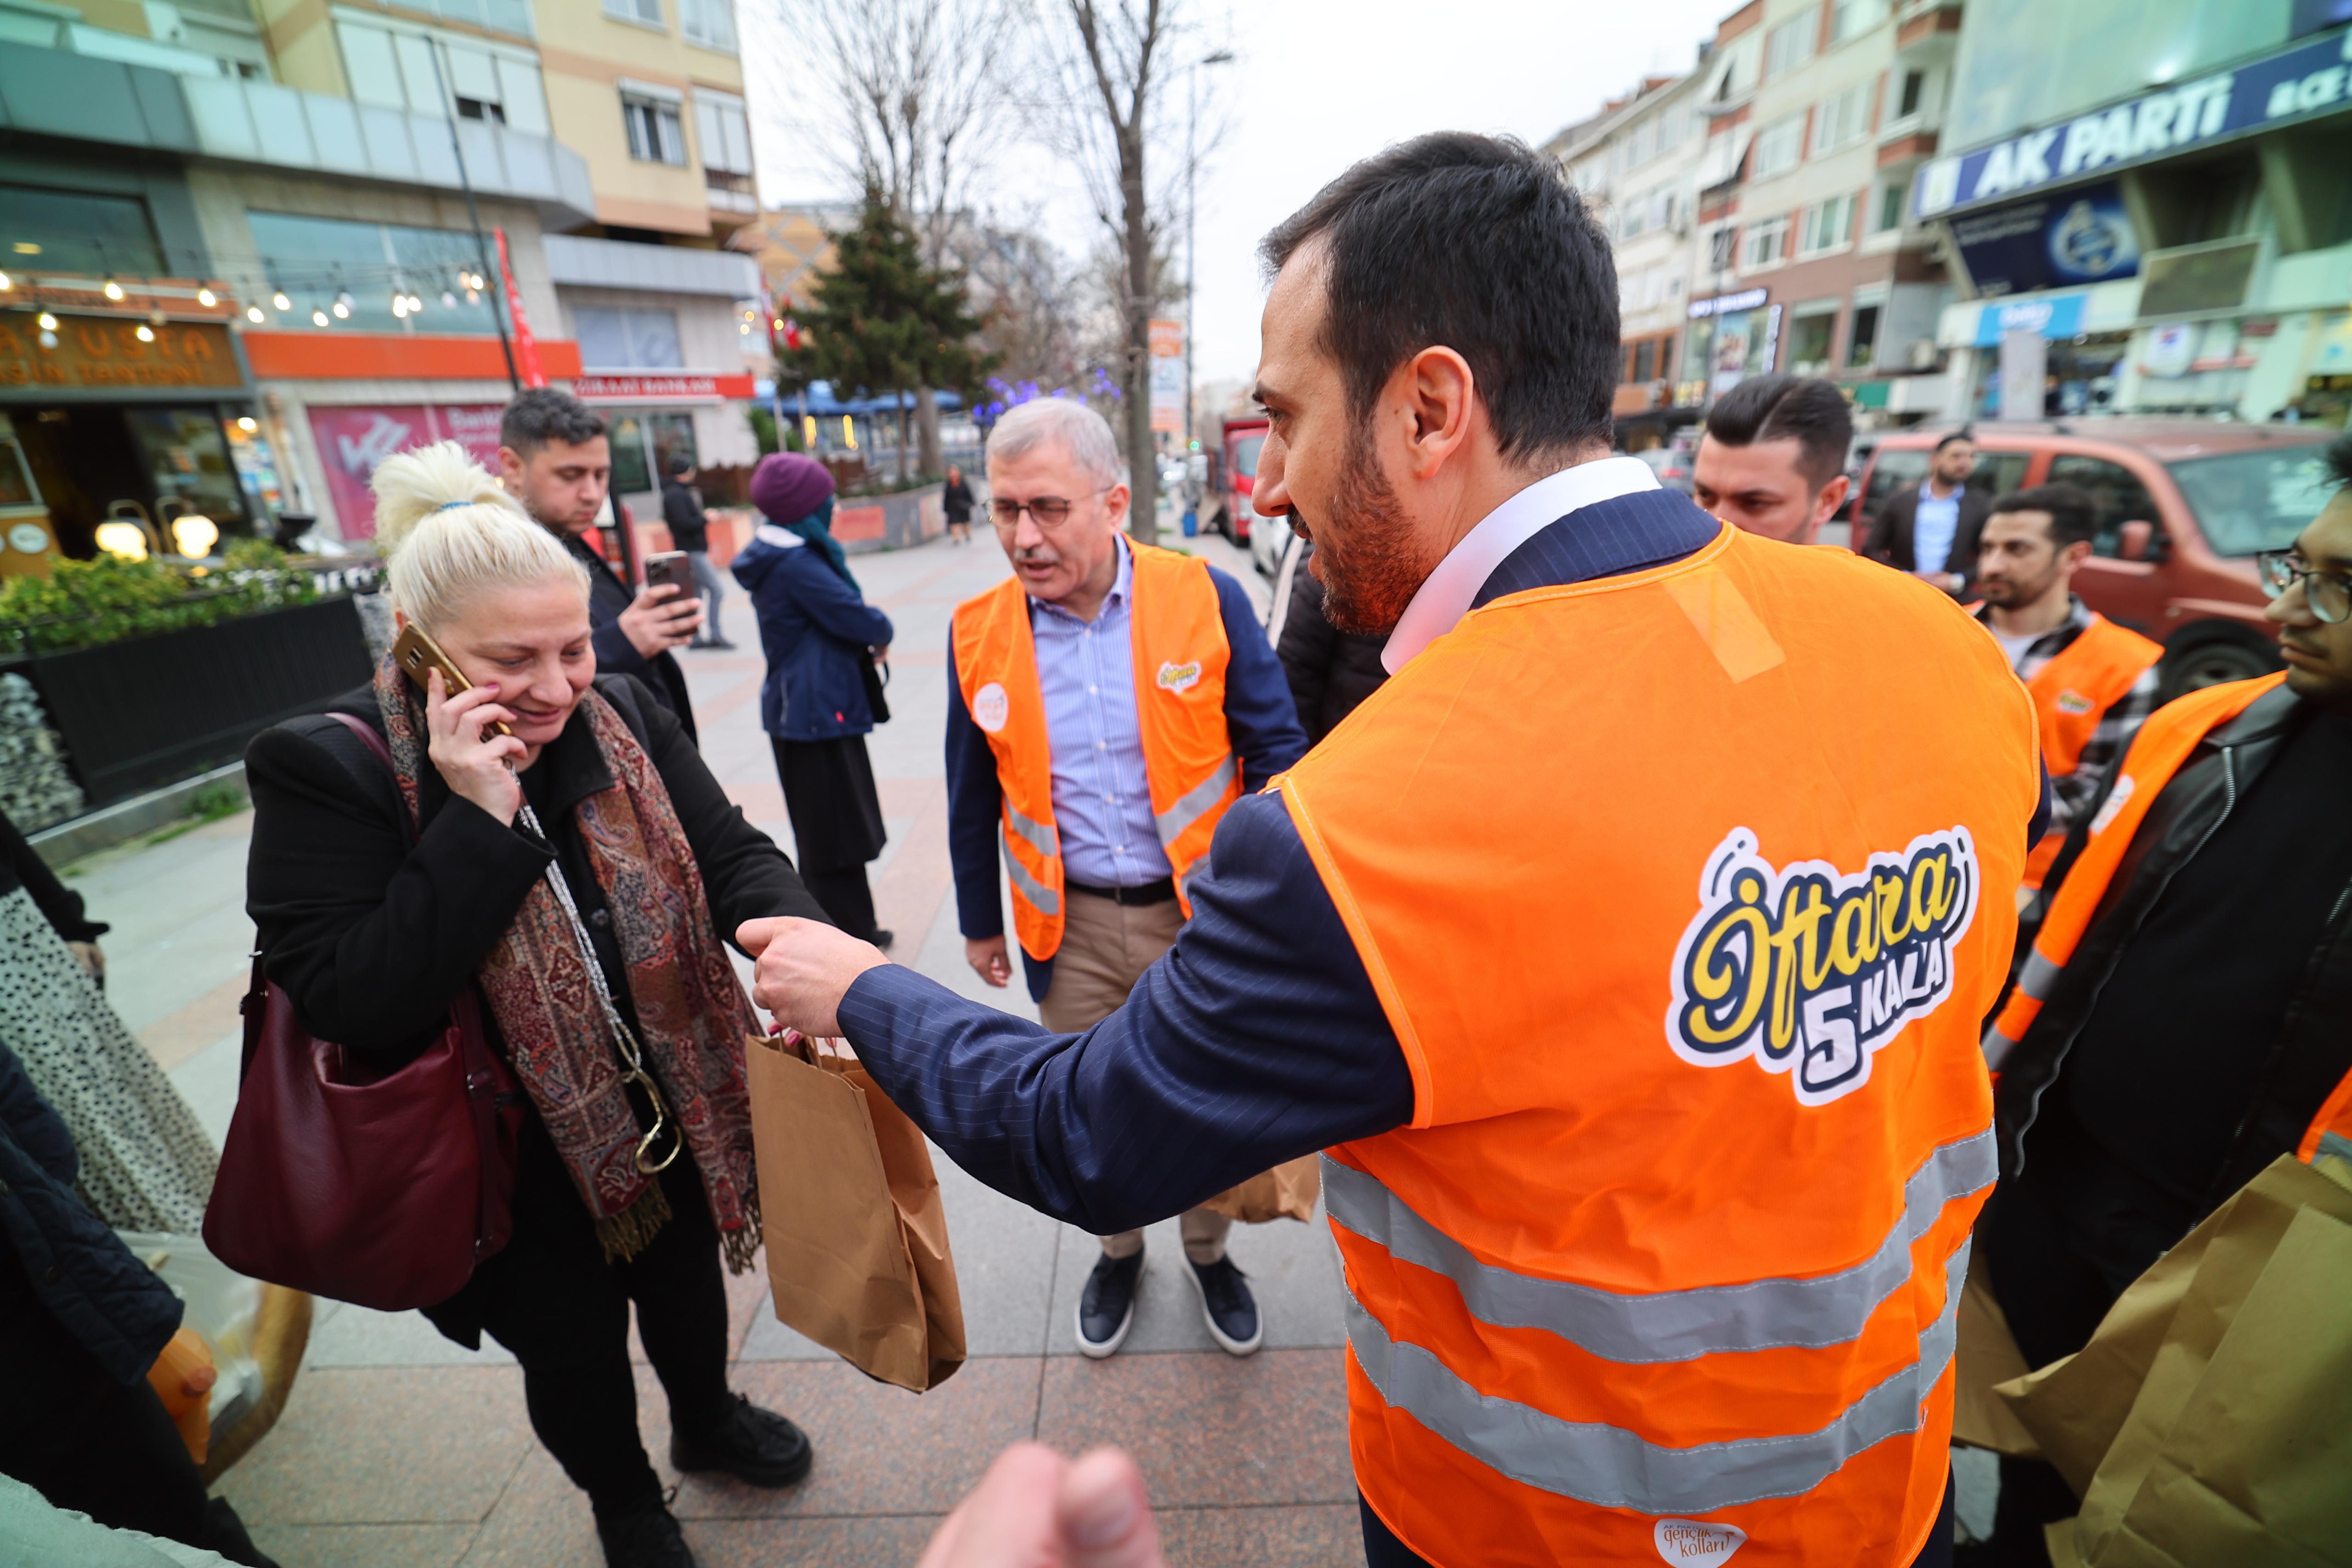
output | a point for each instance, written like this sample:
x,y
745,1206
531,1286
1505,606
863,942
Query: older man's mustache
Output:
x,y
1036,556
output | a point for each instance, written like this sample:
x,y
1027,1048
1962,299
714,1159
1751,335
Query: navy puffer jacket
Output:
x,y
815,628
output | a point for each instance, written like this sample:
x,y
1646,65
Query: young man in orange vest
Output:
x,y
1772,460
1624,952
1106,703
2093,682
2181,1022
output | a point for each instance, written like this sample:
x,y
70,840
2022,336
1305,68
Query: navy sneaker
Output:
x,y
750,1444
1106,1306
1227,1306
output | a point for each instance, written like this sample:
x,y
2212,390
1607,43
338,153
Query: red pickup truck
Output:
x,y
2183,505
1244,438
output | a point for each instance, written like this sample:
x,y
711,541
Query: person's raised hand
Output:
x,y
1035,1510
989,960
475,760
660,618
804,968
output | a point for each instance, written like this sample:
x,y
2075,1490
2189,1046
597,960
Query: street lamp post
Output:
x,y
1191,227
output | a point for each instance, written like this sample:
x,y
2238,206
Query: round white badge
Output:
x,y
990,708
29,537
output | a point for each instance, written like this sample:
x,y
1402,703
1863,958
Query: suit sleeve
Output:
x,y
1259,713
1255,1039
975,806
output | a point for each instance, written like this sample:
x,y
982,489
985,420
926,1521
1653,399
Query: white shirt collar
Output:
x,y
1448,594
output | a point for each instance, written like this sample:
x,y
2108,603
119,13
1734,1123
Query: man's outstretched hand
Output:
x,y
805,967
1036,1509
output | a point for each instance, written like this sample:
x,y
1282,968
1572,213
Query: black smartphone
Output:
x,y
415,653
672,568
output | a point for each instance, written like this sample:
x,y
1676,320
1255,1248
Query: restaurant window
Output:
x,y
187,461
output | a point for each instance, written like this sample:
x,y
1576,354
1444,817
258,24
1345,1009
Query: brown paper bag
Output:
x,y
849,1207
1287,1192
1987,1354
2075,1407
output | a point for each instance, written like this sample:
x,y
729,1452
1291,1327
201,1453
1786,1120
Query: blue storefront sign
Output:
x,y
2052,316
2081,235
2295,84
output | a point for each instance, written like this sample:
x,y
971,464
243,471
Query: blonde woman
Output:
x,y
593,825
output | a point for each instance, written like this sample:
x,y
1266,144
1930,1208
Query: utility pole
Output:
x,y
473,214
1192,228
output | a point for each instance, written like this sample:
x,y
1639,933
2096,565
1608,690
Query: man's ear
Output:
x,y
1435,391
1833,496
2075,554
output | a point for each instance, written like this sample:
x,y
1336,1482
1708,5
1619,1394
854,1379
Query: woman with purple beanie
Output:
x,y
822,642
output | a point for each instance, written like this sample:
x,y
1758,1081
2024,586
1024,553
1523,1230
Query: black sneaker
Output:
x,y
645,1536
1227,1306
884,938
750,1444
1106,1306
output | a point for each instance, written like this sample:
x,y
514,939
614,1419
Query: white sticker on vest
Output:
x,y
1808,971
1174,677
1695,1540
990,708
2117,798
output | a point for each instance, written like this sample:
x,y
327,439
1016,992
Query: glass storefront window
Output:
x,y
187,458
642,441
673,436
625,434
319,260
71,231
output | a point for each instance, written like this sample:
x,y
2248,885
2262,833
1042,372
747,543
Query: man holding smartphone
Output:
x,y
553,457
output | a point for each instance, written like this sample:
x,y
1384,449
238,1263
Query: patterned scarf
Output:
x,y
691,1014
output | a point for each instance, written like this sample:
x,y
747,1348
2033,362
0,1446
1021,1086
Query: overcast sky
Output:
x,y
1317,85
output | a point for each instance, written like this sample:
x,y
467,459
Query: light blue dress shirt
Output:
x,y
1102,795
1933,527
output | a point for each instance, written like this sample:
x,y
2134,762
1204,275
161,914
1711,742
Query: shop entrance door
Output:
x,y
83,460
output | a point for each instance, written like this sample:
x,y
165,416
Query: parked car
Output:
x,y
1671,464
2183,506
1268,538
1244,438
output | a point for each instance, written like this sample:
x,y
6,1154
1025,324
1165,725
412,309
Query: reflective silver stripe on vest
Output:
x,y
1200,798
1048,902
1670,1325
2335,1144
1042,838
1609,1466
1997,1047
2039,975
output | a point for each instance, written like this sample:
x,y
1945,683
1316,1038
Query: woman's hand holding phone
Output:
x,y
477,761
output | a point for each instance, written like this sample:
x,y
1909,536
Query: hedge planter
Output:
x,y
149,711
866,523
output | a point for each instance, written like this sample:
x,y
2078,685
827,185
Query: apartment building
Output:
x,y
2148,210
373,220
1636,162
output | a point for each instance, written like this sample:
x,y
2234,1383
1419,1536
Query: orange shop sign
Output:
x,y
103,350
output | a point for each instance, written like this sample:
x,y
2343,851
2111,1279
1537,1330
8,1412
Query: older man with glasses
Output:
x,y
2180,1021
1107,703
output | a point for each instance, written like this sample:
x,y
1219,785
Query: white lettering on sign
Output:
x,y
1696,1541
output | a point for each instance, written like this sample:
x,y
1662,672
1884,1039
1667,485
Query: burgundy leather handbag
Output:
x,y
380,1188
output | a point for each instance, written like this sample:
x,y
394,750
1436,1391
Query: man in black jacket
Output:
x,y
553,457
1329,670
690,529
1931,530
2196,1029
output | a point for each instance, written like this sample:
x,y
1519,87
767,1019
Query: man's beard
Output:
x,y
1364,553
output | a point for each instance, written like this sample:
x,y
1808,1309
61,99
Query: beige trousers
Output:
x,y
1105,948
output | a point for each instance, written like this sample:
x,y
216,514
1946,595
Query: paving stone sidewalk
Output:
x,y
400,1449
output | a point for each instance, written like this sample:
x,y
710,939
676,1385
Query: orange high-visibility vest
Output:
x,y
2071,693
1675,890
2163,743
1179,653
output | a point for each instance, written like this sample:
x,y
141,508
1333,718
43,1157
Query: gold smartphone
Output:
x,y
415,652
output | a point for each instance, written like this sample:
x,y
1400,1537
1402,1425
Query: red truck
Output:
x,y
1237,476
2183,505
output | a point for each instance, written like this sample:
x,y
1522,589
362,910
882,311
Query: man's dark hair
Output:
x,y
2337,459
2073,515
1963,434
543,414
1477,244
1804,408
677,464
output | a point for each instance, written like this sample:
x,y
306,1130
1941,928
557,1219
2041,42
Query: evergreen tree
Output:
x,y
883,325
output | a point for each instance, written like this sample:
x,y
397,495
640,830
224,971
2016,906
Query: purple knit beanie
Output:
x,y
787,487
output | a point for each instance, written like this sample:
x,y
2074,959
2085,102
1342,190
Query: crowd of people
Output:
x,y
1625,898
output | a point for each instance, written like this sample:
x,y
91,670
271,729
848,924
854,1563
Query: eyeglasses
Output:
x,y
2328,592
1051,512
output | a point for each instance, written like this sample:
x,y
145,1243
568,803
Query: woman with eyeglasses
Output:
x,y
826,649
544,819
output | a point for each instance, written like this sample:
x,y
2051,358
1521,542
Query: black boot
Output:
x,y
645,1536
750,1444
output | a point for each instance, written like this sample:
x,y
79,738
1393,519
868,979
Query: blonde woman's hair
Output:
x,y
448,531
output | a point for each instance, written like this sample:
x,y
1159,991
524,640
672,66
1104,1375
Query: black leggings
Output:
x,y
553,1300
